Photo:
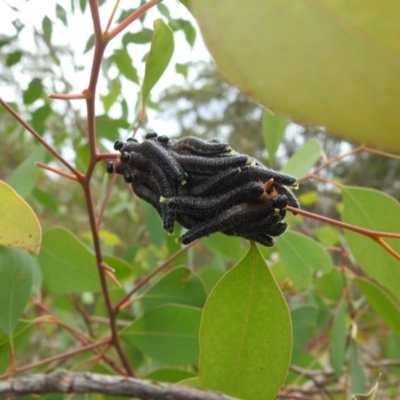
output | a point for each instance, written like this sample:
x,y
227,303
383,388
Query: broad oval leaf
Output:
x,y
169,334
301,256
180,286
245,334
67,264
161,50
15,286
371,209
382,303
304,159
19,226
274,126
331,63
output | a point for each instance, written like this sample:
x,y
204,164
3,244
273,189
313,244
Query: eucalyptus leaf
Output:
x,y
245,334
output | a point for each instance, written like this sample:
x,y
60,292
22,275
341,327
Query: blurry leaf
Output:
x,y
311,81
225,246
181,69
169,375
109,238
25,176
122,268
82,5
168,334
47,27
330,285
371,209
164,10
161,50
13,58
304,159
61,14
338,339
134,355
371,395
308,198
82,155
180,286
15,286
46,199
33,92
142,37
124,63
90,42
38,118
108,128
188,30
356,371
274,126
210,276
153,224
327,235
300,256
245,334
382,303
67,264
114,90
303,320
20,340
19,226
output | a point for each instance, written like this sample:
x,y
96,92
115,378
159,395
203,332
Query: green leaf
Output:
x,y
26,175
33,92
168,334
67,264
46,199
304,159
122,268
82,5
38,118
142,37
274,126
13,58
153,224
303,320
327,235
331,285
188,30
371,209
180,286
107,127
356,370
114,90
61,14
228,247
90,42
181,69
47,27
161,50
245,334
124,63
308,198
338,339
382,303
210,276
302,255
349,86
19,226
15,286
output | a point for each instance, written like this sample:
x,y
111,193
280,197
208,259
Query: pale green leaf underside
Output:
x,y
331,63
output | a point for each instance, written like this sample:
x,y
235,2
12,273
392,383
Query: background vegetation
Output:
x,y
104,289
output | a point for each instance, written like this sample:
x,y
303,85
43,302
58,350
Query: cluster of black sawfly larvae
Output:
x,y
206,187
